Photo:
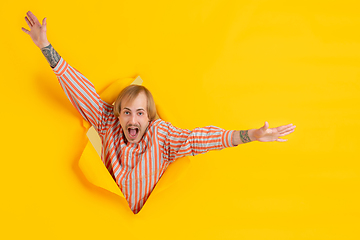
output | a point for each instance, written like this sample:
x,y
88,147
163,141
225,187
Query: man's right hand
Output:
x,y
37,31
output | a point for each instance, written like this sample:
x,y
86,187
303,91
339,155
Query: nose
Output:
x,y
133,119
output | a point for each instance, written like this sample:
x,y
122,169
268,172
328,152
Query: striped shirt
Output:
x,y
136,167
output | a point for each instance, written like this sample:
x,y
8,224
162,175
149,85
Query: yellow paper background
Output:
x,y
232,64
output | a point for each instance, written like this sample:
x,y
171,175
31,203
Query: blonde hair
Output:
x,y
130,93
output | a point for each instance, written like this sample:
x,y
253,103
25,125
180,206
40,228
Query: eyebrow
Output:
x,y
139,109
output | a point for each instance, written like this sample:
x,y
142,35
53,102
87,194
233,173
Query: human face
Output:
x,y
134,118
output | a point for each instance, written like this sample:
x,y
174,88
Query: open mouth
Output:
x,y
133,132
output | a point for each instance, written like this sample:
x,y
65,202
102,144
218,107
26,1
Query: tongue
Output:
x,y
133,132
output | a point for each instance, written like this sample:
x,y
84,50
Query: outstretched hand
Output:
x,y
37,31
266,134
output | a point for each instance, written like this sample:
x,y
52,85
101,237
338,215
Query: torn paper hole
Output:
x,y
90,161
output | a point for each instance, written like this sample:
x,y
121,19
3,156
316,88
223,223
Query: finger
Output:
x,y
266,126
30,16
286,133
44,24
28,22
281,128
281,140
25,30
34,19
289,129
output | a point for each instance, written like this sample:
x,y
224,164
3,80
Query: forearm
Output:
x,y
51,55
82,95
246,136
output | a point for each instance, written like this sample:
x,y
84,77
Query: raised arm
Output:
x,y
178,142
79,90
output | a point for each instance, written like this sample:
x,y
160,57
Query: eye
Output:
x,y
140,113
126,112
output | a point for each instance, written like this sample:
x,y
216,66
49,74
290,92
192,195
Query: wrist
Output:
x,y
251,134
44,44
243,136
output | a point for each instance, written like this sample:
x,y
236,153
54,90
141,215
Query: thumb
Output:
x,y
266,126
44,23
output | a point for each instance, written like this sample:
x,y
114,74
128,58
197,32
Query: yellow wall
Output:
x,y
232,64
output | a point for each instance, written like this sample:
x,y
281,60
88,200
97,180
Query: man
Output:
x,y
137,148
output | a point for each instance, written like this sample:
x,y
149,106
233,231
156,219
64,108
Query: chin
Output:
x,y
136,140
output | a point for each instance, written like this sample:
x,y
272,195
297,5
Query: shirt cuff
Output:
x,y
60,67
227,137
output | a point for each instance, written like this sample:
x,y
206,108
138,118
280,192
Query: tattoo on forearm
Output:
x,y
245,136
51,55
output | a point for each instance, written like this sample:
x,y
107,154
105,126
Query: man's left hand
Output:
x,y
266,134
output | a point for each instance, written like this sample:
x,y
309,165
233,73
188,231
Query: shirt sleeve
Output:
x,y
82,95
178,142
